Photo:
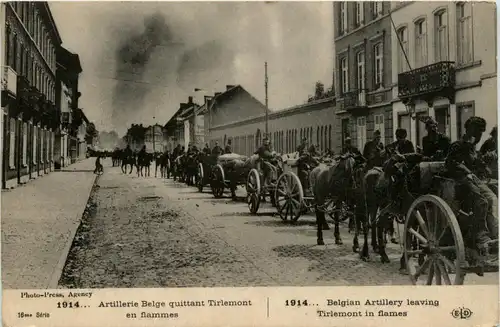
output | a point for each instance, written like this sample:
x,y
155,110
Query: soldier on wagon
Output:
x,y
462,163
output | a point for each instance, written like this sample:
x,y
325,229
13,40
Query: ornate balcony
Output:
x,y
355,100
9,81
427,82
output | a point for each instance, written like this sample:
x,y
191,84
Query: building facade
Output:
x,y
237,116
29,115
154,139
444,65
68,72
362,78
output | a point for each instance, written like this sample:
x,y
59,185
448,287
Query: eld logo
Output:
x,y
461,313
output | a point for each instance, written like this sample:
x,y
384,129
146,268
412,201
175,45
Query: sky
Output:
x,y
141,59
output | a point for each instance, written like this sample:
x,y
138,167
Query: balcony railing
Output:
x,y
9,80
355,99
435,78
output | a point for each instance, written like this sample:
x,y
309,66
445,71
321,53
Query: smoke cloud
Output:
x,y
149,57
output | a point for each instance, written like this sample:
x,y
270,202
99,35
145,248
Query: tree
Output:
x,y
319,90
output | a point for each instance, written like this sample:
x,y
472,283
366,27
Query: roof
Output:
x,y
83,115
68,59
221,97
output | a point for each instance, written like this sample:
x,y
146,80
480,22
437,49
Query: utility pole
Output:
x,y
267,100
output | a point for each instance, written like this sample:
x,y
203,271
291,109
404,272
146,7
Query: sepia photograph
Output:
x,y
248,144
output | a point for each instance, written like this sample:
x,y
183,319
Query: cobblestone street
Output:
x,y
151,232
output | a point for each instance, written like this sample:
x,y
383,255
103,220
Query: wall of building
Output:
x,y
30,42
286,127
476,86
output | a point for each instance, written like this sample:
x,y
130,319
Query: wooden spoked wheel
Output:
x,y
289,196
218,181
201,177
253,190
433,243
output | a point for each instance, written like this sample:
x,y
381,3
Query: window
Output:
x,y
379,65
344,75
343,17
464,112
361,132
404,122
35,144
441,36
421,132
360,73
25,143
464,33
360,14
402,49
377,9
443,119
379,125
12,143
330,137
420,43
8,46
325,144
318,133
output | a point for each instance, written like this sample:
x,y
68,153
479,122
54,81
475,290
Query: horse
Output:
x,y
144,160
177,169
338,181
190,168
115,157
396,177
163,161
127,159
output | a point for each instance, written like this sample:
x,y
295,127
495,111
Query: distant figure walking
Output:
x,y
98,166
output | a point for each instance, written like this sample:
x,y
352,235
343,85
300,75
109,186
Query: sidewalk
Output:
x,y
39,221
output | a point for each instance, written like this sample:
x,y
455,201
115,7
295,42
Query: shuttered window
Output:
x,y
12,143
379,125
25,143
35,144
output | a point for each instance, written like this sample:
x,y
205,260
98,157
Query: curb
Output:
x,y
58,269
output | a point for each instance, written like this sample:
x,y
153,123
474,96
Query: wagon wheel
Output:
x,y
217,183
433,236
253,190
201,177
289,196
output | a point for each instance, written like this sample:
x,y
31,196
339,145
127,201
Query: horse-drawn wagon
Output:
x,y
206,163
293,198
229,171
260,185
439,228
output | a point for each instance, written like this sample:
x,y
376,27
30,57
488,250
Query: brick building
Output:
x,y
449,71
362,78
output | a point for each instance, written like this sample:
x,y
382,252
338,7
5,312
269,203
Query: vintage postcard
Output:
x,y
259,163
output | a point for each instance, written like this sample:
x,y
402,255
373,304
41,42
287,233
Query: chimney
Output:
x,y
190,100
228,87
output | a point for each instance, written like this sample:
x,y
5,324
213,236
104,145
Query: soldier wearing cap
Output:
x,y
349,148
373,151
265,154
304,163
206,150
435,144
301,149
402,145
462,163
228,148
217,150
